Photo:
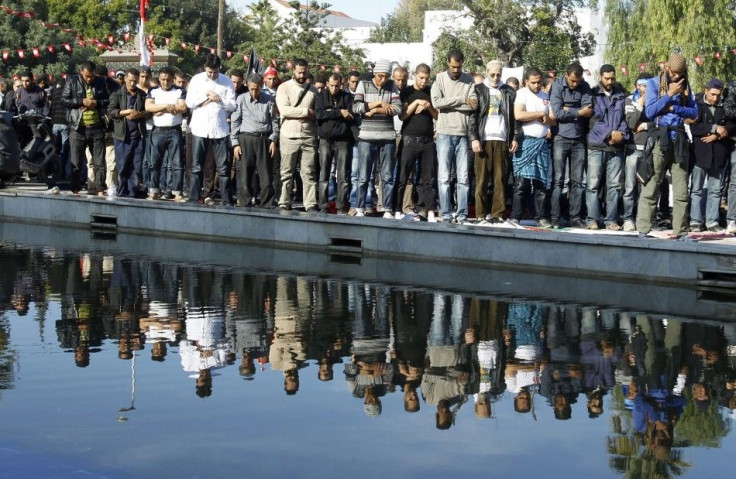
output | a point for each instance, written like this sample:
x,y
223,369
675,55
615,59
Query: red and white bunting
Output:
x,y
336,69
698,59
6,55
36,52
67,47
289,64
229,54
624,70
126,37
551,73
167,40
322,67
183,45
196,48
51,49
642,67
213,50
21,54
111,39
245,59
717,55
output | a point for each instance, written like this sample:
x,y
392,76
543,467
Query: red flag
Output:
x,y
196,48
21,54
183,45
642,67
717,55
6,55
51,49
698,59
229,54
336,69
150,38
167,40
67,47
245,59
624,70
64,75
27,15
322,67
126,37
111,39
289,64
213,50
551,73
36,52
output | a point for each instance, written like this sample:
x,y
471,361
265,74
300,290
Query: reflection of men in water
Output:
x,y
484,335
288,350
523,339
445,380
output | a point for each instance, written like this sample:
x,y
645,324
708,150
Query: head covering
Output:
x,y
382,66
270,72
714,83
120,73
677,62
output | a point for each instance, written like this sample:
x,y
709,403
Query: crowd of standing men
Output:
x,y
371,142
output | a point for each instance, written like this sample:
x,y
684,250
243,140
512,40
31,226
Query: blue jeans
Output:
x,y
355,183
128,155
712,202
385,154
574,150
598,162
165,145
631,184
449,148
199,153
61,134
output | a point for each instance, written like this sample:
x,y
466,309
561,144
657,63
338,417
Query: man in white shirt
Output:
x,y
532,164
167,105
211,97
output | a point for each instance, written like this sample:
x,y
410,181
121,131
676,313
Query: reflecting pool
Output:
x,y
114,365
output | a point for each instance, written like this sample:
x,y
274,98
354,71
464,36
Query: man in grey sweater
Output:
x,y
453,95
377,102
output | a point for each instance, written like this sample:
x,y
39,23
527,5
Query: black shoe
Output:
x,y
577,223
716,229
168,195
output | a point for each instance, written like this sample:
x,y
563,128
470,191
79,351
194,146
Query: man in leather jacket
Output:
x,y
492,139
729,108
86,99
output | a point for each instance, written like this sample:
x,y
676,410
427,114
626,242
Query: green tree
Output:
x,y
544,34
18,33
406,22
645,32
266,32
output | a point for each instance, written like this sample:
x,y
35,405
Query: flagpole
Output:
x,y
220,25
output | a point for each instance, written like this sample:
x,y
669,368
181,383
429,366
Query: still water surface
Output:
x,y
116,366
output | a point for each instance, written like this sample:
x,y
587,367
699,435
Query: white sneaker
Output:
x,y
629,226
399,215
431,218
387,215
731,228
52,191
359,212
111,193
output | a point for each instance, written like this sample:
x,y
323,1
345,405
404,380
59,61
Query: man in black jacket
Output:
x,y
86,98
492,140
712,145
127,110
729,108
332,109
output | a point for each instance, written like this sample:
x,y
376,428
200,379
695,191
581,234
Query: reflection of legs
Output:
x,y
437,328
456,319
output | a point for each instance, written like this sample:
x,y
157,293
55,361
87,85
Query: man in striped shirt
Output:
x,y
377,102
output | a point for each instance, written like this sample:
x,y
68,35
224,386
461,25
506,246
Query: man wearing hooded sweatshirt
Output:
x,y
669,101
606,141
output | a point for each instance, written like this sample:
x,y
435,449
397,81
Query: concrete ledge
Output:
x,y
563,253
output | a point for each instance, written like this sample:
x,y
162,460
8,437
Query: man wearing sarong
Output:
x,y
531,161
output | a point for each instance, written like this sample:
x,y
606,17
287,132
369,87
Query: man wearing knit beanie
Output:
x,y
668,103
377,101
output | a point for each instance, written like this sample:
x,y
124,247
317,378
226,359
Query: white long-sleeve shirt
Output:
x,y
210,121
